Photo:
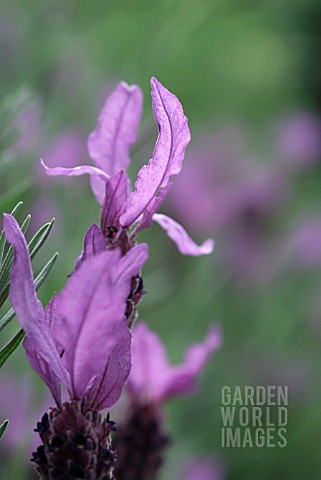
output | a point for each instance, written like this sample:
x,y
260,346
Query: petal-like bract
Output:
x,y
109,143
130,265
39,343
98,177
168,155
94,243
147,217
115,201
183,241
152,378
91,315
82,339
42,366
183,378
107,386
90,307
75,171
150,366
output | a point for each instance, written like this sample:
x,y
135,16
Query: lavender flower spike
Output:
x,y
82,340
76,334
109,145
151,382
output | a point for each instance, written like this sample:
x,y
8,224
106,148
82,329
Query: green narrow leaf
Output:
x,y
7,318
3,428
2,237
2,244
11,346
39,239
16,209
41,277
34,246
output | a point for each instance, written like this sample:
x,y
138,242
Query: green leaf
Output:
x,y
3,428
39,239
7,318
2,237
41,277
11,346
34,246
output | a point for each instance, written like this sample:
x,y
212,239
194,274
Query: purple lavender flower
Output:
x,y
109,148
152,379
299,248
151,382
305,243
299,140
203,469
81,340
238,197
206,194
226,182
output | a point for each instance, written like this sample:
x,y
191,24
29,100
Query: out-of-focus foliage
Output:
x,y
248,68
12,108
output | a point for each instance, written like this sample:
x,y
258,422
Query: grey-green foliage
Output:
x,y
12,109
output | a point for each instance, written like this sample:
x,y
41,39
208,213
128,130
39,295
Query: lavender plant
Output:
x,y
82,339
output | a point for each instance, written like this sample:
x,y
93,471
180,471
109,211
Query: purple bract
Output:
x,y
109,144
81,339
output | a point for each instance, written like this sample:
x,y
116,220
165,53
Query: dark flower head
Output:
x,y
141,438
81,340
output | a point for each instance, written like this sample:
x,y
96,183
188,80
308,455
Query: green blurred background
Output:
x,y
246,64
